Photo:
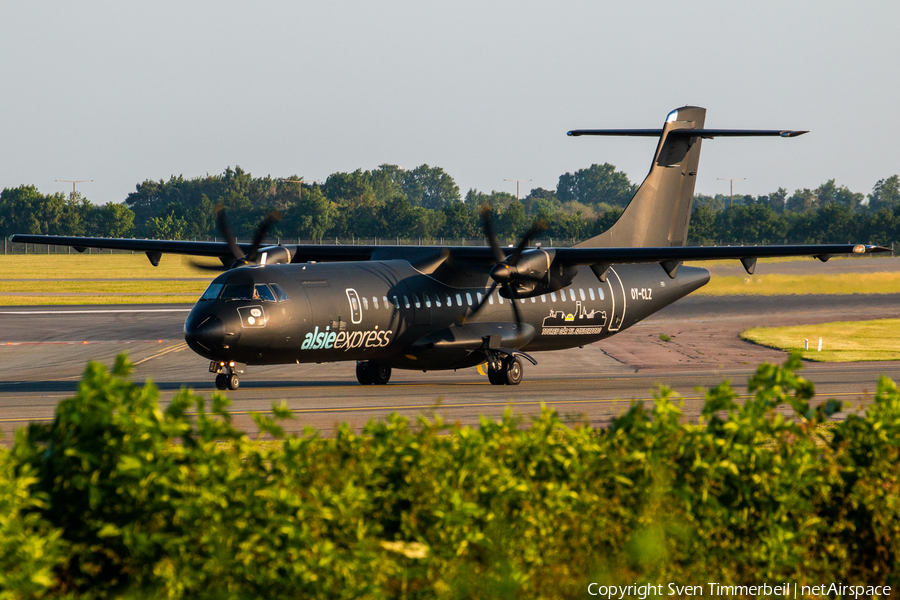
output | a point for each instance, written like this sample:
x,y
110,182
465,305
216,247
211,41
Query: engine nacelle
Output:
x,y
536,273
274,255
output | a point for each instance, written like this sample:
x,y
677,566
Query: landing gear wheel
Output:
x,y
513,371
370,374
380,375
232,381
497,376
364,373
221,381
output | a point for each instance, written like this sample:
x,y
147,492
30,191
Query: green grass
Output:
x,y
84,275
774,285
843,341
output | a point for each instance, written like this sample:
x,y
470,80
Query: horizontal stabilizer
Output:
x,y
702,133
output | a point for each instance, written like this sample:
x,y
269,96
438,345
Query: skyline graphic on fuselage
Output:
x,y
581,322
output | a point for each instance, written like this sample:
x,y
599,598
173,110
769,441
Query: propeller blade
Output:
x,y
227,234
271,218
536,228
480,304
207,267
514,307
499,256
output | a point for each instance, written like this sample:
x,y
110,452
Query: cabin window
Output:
x,y
387,304
591,292
491,299
279,293
449,300
479,297
406,301
468,298
581,293
396,303
572,294
212,292
416,301
553,296
427,301
600,291
437,300
499,297
533,299
544,298
458,300
365,302
375,302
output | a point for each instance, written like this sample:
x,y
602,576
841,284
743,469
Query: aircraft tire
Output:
x,y
221,381
380,374
233,382
513,371
365,373
497,377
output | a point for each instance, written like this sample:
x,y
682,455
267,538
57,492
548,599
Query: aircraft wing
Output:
x,y
480,254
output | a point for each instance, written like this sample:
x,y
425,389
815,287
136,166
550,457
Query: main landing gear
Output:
x,y
505,371
226,374
371,374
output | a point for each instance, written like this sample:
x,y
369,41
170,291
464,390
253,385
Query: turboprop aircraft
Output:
x,y
432,308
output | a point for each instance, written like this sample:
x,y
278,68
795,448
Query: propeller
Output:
x,y
504,271
241,259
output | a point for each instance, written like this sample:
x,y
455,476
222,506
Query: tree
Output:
x,y
596,184
885,194
312,217
430,187
512,222
459,222
115,220
828,192
703,225
801,201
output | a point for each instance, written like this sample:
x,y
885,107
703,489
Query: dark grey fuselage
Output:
x,y
389,313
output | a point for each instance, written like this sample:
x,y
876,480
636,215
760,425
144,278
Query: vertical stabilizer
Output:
x,y
659,213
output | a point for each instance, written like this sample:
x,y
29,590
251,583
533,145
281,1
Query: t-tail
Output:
x,y
660,212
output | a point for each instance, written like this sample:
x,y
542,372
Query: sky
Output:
x,y
122,92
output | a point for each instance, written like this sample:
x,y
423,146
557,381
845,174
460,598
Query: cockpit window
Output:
x,y
212,292
262,292
279,293
238,291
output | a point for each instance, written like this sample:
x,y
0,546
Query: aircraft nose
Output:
x,y
207,333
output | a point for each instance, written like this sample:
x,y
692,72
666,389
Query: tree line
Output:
x,y
426,203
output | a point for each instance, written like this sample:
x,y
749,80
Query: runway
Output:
x,y
44,350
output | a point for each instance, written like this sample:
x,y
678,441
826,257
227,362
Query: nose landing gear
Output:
x,y
226,374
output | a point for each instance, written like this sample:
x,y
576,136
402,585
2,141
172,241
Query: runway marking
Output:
x,y
91,312
175,348
448,406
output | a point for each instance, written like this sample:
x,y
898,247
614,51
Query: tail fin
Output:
x,y
659,213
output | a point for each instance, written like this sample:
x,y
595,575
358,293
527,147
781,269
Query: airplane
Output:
x,y
439,307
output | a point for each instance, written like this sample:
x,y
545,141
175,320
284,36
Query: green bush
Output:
x,y
117,497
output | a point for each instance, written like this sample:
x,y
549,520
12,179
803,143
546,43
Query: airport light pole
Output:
x,y
731,180
73,182
299,189
517,185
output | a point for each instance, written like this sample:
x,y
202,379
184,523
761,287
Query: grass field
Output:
x,y
843,341
778,284
83,279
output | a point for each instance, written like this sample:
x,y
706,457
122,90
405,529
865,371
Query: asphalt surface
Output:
x,y
44,351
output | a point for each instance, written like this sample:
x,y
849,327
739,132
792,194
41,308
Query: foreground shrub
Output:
x,y
117,497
